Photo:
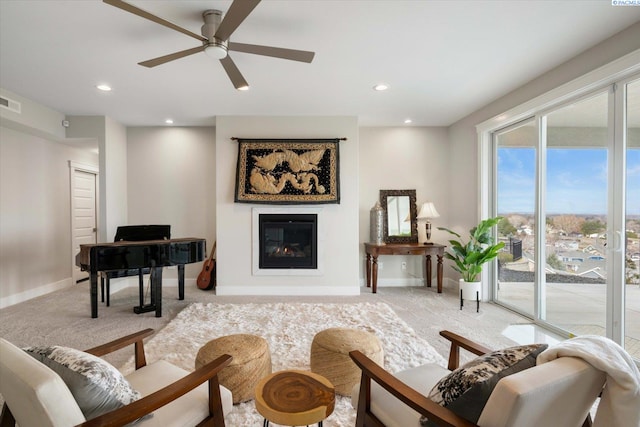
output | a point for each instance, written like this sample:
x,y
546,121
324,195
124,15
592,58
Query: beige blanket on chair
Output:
x,y
620,402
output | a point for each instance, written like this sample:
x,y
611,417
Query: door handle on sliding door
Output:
x,y
616,245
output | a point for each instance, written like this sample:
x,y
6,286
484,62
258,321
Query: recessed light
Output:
x,y
169,121
380,87
407,121
103,87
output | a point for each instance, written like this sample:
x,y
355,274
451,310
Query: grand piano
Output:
x,y
146,254
137,233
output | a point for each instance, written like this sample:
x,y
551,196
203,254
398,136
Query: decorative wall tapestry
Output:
x,y
287,171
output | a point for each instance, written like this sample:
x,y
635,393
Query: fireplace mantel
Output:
x,y
255,242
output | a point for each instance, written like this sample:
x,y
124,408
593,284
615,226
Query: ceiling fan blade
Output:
x,y
276,52
238,11
234,74
172,56
144,14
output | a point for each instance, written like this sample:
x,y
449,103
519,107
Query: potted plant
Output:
x,y
471,256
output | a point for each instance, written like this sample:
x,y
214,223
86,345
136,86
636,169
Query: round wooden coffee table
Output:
x,y
295,398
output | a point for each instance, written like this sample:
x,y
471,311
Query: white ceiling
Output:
x,y
442,59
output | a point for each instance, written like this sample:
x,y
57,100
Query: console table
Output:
x,y
373,251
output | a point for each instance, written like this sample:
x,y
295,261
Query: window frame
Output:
x,y
613,77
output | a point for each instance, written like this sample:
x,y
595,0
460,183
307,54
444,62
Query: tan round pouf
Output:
x,y
251,362
330,355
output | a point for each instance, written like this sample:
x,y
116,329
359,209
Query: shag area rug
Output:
x,y
289,329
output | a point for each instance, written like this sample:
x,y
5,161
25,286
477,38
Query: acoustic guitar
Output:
x,y
207,277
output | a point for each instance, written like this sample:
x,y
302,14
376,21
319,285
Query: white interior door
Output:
x,y
83,212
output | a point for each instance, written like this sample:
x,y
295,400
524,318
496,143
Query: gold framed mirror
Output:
x,y
400,212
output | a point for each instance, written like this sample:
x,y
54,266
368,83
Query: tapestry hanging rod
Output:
x,y
234,138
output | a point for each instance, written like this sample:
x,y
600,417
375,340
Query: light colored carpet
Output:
x,y
63,317
289,329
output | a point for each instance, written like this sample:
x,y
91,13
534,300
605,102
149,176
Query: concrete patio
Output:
x,y
578,308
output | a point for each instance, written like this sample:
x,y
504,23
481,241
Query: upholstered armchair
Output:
x,y
557,393
45,393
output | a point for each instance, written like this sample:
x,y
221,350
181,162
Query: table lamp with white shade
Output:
x,y
428,211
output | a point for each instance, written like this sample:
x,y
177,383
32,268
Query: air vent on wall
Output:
x,y
10,104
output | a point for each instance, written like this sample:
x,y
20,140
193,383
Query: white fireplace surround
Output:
x,y
255,243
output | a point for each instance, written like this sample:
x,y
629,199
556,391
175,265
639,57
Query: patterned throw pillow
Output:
x,y
466,390
96,385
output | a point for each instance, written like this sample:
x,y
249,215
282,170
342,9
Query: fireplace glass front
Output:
x,y
288,241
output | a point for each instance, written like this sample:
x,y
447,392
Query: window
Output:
x,y
566,179
516,153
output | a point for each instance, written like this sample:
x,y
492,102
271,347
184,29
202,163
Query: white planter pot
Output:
x,y
471,290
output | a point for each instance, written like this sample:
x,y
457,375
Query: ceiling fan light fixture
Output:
x,y
216,31
216,51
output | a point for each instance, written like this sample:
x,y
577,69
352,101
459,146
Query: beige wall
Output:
x,y
112,144
171,180
234,220
173,173
35,209
186,196
113,182
403,158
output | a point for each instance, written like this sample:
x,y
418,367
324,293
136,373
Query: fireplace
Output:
x,y
288,241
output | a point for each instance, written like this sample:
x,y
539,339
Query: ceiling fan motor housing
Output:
x,y
214,46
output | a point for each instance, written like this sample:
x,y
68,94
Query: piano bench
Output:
x,y
106,276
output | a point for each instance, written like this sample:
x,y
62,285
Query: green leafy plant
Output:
x,y
471,256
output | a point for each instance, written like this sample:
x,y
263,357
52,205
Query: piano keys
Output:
x,y
152,254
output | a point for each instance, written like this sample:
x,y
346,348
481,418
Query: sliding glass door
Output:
x,y
631,242
567,182
515,179
575,206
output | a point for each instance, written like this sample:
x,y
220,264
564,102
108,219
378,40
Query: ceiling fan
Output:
x,y
215,38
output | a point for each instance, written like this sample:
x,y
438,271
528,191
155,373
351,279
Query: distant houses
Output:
x,y
585,263
572,257
576,264
588,261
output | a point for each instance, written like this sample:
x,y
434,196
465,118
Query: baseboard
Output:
x,y
116,285
288,290
36,292
400,282
126,282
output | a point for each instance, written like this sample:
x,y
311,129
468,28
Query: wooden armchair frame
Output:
x,y
165,395
409,396
406,394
